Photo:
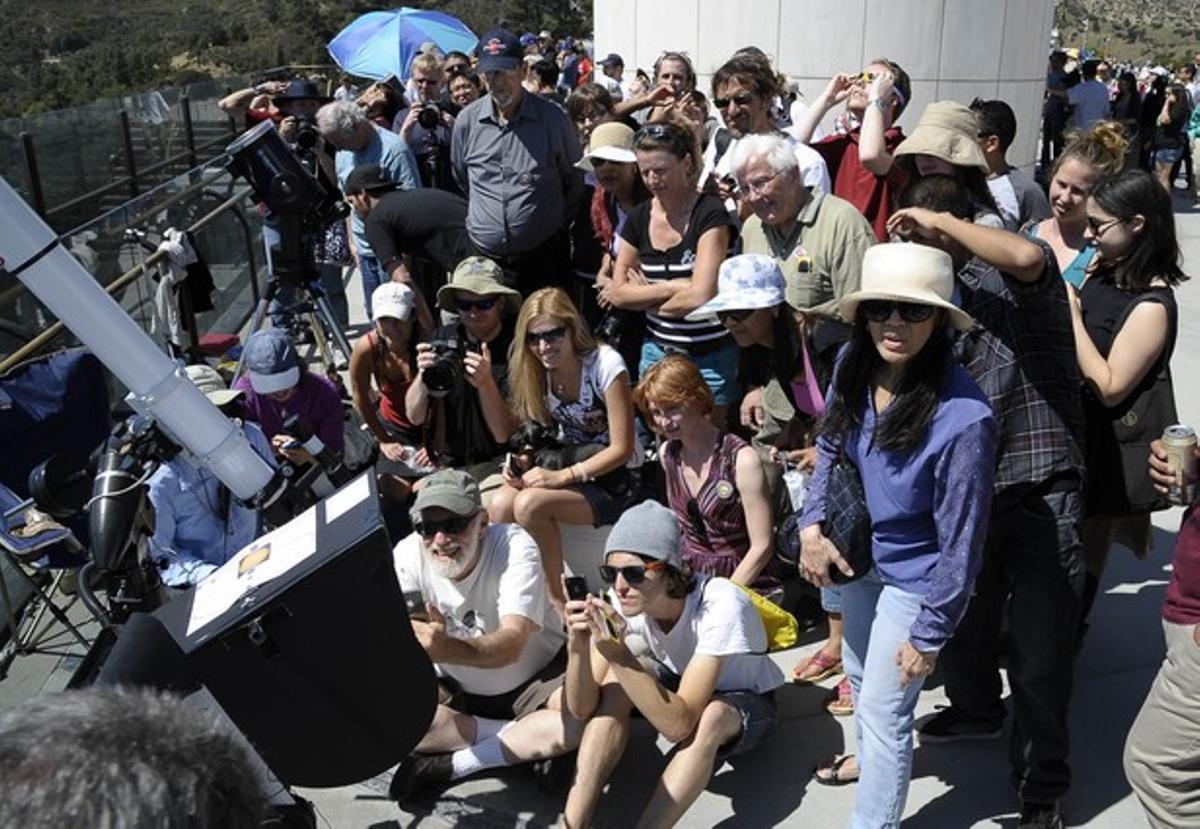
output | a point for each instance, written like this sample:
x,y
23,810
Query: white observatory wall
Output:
x,y
952,49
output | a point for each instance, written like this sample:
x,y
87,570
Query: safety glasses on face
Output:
x,y
880,310
742,99
660,131
634,574
549,337
467,305
450,526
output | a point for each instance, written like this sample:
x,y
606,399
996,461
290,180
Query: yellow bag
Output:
x,y
781,627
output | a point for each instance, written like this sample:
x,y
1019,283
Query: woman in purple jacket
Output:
x,y
923,439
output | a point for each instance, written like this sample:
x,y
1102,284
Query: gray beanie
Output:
x,y
648,529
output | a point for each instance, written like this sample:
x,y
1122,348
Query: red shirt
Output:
x,y
1182,606
871,194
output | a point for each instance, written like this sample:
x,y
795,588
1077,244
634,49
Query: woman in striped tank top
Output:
x,y
715,481
671,248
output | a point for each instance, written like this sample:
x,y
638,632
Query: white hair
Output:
x,y
340,118
773,149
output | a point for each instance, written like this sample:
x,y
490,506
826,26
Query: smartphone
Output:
x,y
577,588
414,603
508,467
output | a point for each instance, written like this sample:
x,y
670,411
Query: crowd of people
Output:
x,y
770,347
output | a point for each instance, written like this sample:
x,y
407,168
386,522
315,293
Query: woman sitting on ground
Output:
x,y
559,376
921,436
387,355
1088,157
715,481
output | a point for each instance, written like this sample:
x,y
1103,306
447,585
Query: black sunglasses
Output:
x,y
742,99
449,526
880,310
735,315
547,337
634,574
477,305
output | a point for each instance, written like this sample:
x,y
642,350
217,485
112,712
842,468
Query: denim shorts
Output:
x,y
1167,156
718,368
757,711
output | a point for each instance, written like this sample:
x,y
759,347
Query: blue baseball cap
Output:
x,y
500,51
271,361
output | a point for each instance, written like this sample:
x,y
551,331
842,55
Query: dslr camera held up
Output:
x,y
448,366
429,116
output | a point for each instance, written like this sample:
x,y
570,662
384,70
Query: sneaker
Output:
x,y
1039,816
416,772
949,726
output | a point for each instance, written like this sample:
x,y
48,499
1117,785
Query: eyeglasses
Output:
x,y
449,526
1099,228
880,310
758,186
696,518
466,305
633,574
742,99
734,315
552,336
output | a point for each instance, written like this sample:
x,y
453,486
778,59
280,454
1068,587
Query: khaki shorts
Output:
x,y
521,701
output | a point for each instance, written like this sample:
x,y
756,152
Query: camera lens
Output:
x,y
429,117
440,377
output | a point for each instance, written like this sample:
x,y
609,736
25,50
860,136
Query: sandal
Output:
x,y
817,667
829,773
841,701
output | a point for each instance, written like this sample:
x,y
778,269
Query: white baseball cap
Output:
x,y
392,299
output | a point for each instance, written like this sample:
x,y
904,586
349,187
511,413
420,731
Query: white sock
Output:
x,y
485,728
486,754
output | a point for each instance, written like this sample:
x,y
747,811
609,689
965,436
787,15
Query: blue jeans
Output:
x,y
717,367
876,619
372,278
831,599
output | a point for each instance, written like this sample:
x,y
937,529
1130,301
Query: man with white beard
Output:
x,y
478,605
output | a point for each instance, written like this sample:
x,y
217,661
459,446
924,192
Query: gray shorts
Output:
x,y
757,711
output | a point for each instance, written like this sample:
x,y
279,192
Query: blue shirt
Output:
x,y
929,509
190,536
395,161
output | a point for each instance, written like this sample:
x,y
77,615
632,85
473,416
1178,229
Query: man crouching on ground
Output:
x,y
489,629
711,688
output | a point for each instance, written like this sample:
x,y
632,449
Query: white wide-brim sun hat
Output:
x,y
908,272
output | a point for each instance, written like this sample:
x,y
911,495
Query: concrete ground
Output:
x,y
953,786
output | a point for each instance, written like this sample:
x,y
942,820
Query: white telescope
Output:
x,y
158,387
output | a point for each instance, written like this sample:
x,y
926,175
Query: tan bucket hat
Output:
x,y
949,131
478,275
908,272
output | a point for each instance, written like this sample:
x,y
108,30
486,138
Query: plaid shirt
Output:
x,y
1022,355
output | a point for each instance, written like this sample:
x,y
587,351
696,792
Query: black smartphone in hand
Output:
x,y
414,603
577,588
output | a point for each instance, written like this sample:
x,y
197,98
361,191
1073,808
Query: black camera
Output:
x,y
444,373
306,134
429,116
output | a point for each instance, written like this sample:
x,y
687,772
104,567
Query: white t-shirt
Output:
x,y
718,620
586,420
1090,99
611,84
507,581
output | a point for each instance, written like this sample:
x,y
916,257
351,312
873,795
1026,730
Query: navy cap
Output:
x,y
300,89
613,59
528,39
500,51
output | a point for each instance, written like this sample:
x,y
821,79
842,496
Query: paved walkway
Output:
x,y
953,786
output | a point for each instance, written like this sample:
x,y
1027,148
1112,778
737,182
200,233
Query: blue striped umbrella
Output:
x,y
379,44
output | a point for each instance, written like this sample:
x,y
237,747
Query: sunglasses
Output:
x,y
633,574
880,310
465,305
597,163
547,337
742,99
734,315
659,131
449,526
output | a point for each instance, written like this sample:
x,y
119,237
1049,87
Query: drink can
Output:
x,y
1180,442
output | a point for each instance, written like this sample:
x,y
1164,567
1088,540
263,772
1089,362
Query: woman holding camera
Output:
x,y
921,438
715,480
559,376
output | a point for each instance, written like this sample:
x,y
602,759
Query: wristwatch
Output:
x,y
878,103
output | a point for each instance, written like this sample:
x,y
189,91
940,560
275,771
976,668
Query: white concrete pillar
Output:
x,y
952,49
